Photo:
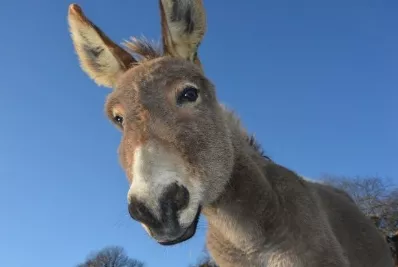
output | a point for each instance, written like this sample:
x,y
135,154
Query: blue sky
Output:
x,y
316,81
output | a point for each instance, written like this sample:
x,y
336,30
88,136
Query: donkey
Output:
x,y
185,154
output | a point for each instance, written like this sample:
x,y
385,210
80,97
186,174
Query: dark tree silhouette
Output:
x,y
112,256
205,260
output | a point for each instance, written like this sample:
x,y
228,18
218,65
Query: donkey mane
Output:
x,y
235,122
254,144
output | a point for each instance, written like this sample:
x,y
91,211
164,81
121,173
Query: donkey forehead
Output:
x,y
157,74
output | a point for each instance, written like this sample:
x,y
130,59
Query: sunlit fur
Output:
x,y
259,213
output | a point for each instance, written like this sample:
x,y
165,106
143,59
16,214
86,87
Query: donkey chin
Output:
x,y
176,220
174,233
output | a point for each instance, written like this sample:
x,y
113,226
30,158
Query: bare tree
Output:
x,y
112,256
375,197
205,260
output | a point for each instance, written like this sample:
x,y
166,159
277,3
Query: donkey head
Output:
x,y
176,148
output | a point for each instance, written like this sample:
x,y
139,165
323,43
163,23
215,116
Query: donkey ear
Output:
x,y
99,56
183,27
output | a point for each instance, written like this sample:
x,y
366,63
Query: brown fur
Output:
x,y
259,213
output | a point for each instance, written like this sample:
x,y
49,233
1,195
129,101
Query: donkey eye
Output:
x,y
189,94
118,120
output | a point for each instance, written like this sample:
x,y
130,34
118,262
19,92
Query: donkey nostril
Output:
x,y
182,198
139,212
177,195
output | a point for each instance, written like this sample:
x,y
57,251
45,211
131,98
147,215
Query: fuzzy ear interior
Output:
x,y
183,27
101,58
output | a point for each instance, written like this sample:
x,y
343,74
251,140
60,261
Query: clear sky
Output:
x,y
316,81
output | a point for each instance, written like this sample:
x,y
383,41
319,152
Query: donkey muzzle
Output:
x,y
165,229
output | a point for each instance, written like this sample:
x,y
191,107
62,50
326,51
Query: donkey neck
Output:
x,y
247,211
